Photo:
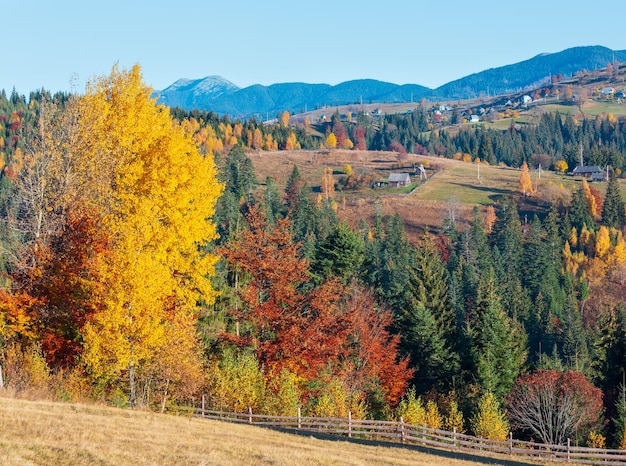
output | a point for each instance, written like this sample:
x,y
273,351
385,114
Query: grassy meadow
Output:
x,y
46,433
452,187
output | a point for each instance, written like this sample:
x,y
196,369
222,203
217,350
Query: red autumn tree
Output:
x,y
311,329
373,349
359,135
51,301
340,132
554,405
293,329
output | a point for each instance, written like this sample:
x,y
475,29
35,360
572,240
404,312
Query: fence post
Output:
x,y
454,437
250,415
510,443
401,429
349,424
203,405
568,452
299,419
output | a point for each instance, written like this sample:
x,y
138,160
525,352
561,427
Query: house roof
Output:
x,y
399,177
586,169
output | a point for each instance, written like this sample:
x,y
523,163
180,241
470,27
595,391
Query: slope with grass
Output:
x,y
453,188
45,433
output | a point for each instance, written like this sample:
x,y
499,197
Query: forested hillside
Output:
x,y
145,265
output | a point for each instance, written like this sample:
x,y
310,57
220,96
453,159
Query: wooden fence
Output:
x,y
406,433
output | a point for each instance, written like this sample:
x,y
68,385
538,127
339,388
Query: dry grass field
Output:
x,y
45,433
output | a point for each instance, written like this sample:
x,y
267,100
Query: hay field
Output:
x,y
46,433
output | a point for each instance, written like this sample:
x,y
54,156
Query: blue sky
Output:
x,y
59,45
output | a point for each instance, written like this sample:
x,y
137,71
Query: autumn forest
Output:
x,y
145,265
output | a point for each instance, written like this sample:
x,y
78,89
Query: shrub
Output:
x,y
411,409
26,374
490,422
236,382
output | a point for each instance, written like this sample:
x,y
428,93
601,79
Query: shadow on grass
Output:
x,y
435,452
488,189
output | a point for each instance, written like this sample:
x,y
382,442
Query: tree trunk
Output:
x,y
167,384
131,382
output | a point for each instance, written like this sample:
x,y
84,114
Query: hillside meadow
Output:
x,y
46,433
452,187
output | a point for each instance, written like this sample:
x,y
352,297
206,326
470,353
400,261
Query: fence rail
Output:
x,y
407,433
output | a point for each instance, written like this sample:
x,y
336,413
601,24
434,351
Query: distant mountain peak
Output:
x,y
222,96
191,93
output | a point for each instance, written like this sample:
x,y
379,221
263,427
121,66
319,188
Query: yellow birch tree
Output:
x,y
331,141
156,194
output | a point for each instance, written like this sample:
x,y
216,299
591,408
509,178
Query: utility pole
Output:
x,y
580,152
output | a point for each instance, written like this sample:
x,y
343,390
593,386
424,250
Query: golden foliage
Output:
x,y
332,400
25,372
331,141
561,166
411,409
454,419
292,142
328,185
590,198
525,183
434,419
596,440
283,395
236,383
157,194
347,144
257,139
490,422
603,242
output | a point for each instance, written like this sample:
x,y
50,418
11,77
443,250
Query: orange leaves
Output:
x,y
374,350
17,317
595,255
525,183
592,200
306,329
57,296
294,330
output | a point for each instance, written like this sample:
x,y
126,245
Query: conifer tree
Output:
x,y
613,209
619,421
340,254
580,214
498,342
434,362
427,322
272,200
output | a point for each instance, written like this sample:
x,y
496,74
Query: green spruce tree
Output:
x,y
613,208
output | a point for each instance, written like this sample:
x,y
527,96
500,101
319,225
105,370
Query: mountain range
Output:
x,y
221,96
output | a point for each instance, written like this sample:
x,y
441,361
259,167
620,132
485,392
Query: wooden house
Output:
x,y
398,180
